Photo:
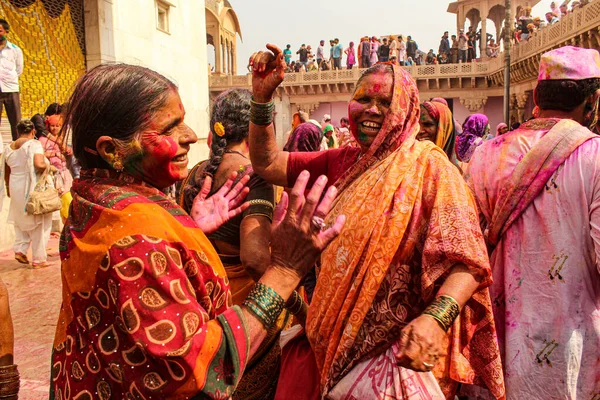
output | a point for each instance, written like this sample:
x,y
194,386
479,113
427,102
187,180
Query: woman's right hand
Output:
x,y
268,68
297,241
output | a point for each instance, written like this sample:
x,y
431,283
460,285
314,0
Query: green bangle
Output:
x,y
261,113
444,309
265,303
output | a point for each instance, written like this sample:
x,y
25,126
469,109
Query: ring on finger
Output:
x,y
318,223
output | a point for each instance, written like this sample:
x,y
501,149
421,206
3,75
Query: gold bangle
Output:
x,y
261,202
444,309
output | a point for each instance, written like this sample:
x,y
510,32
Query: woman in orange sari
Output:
x,y
410,269
437,125
146,310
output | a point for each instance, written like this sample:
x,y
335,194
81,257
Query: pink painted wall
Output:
x,y
492,109
336,109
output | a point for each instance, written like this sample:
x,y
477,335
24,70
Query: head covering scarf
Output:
x,y
305,138
53,119
500,126
475,130
446,134
383,189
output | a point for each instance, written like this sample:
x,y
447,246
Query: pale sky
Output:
x,y
308,21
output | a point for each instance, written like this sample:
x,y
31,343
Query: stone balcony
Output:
x,y
580,28
327,83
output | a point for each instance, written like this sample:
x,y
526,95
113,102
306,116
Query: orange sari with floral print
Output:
x,y
410,219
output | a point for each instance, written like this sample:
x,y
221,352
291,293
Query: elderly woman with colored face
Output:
x,y
147,311
437,126
410,269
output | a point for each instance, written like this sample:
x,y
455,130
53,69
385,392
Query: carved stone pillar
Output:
x,y
474,104
483,41
521,99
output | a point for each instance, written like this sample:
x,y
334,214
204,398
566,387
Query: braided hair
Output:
x,y
231,110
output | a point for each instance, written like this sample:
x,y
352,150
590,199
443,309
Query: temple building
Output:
x,y
476,87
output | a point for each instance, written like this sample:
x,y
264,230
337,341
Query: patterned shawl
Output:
x,y
475,130
305,138
146,302
446,134
380,195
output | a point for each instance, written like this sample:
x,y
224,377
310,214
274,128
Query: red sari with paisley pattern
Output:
x,y
410,219
146,309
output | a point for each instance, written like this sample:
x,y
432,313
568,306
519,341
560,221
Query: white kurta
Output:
x,y
546,291
29,229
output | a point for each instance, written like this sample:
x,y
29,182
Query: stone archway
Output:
x,y
222,27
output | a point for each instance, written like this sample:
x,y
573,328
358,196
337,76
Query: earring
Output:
x,y
117,164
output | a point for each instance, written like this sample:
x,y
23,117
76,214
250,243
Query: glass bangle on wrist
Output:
x,y
444,309
296,305
265,304
261,113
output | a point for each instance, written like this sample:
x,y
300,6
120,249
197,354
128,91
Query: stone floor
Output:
x,y
34,303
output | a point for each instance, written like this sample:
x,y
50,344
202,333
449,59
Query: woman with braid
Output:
x,y
243,242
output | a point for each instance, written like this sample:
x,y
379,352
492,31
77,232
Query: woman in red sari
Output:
x,y
410,269
147,311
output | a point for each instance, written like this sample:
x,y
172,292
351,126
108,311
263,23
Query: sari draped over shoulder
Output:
x,y
410,219
446,133
146,302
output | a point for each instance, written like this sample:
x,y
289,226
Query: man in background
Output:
x,y
338,49
287,54
302,56
444,45
411,47
11,68
320,52
384,51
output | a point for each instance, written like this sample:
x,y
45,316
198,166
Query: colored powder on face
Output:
x,y
362,137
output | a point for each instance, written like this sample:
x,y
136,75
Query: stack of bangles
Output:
x,y
9,382
266,304
444,309
261,114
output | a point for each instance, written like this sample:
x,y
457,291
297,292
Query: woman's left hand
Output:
x,y
421,344
211,213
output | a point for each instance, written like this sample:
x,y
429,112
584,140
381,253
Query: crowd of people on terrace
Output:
x,y
404,50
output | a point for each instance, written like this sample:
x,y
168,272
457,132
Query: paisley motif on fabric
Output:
x,y
125,243
102,297
103,390
162,332
152,299
69,345
83,395
190,268
175,369
174,256
92,362
113,290
130,269
105,263
76,371
130,316
92,316
108,341
115,372
190,323
56,369
182,351
153,381
135,355
159,262
177,292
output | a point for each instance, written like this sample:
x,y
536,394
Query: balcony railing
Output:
x,y
571,25
352,75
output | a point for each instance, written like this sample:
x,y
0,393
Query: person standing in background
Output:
x,y
411,48
444,45
320,52
384,51
338,50
287,54
11,67
374,56
365,53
